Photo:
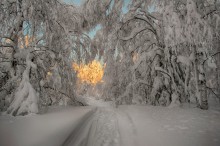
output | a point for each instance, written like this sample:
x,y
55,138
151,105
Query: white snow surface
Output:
x,y
127,125
159,126
50,129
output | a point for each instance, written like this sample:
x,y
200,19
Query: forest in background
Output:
x,y
166,57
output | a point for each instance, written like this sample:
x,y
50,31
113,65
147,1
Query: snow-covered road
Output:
x,y
100,129
108,126
149,126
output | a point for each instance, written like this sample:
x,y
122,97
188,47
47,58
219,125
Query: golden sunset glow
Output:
x,y
8,41
91,73
25,42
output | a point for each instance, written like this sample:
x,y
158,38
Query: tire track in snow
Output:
x,y
104,129
99,129
127,129
78,135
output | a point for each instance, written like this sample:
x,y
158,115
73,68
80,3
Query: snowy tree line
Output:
x,y
39,40
157,58
166,57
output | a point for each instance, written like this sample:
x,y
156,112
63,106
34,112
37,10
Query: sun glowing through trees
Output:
x,y
25,42
90,73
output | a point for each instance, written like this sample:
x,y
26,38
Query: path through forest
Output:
x,y
108,126
153,126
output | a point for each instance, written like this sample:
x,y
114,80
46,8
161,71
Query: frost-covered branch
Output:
x,y
135,32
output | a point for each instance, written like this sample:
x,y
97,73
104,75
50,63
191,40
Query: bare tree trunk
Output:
x,y
218,71
200,80
202,88
196,78
14,36
216,43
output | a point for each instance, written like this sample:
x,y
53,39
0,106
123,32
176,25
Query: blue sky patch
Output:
x,y
75,2
92,33
125,6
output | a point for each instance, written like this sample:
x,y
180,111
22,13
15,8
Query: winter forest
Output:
x,y
110,72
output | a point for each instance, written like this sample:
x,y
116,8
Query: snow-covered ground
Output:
x,y
109,126
50,129
159,126
101,129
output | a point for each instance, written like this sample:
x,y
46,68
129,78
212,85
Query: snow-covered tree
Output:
x,y
54,34
169,48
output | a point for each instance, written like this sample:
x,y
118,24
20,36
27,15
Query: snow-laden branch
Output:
x,y
151,28
135,32
140,17
6,45
163,71
211,56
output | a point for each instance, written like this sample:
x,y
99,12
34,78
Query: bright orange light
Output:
x,y
24,43
8,41
91,73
